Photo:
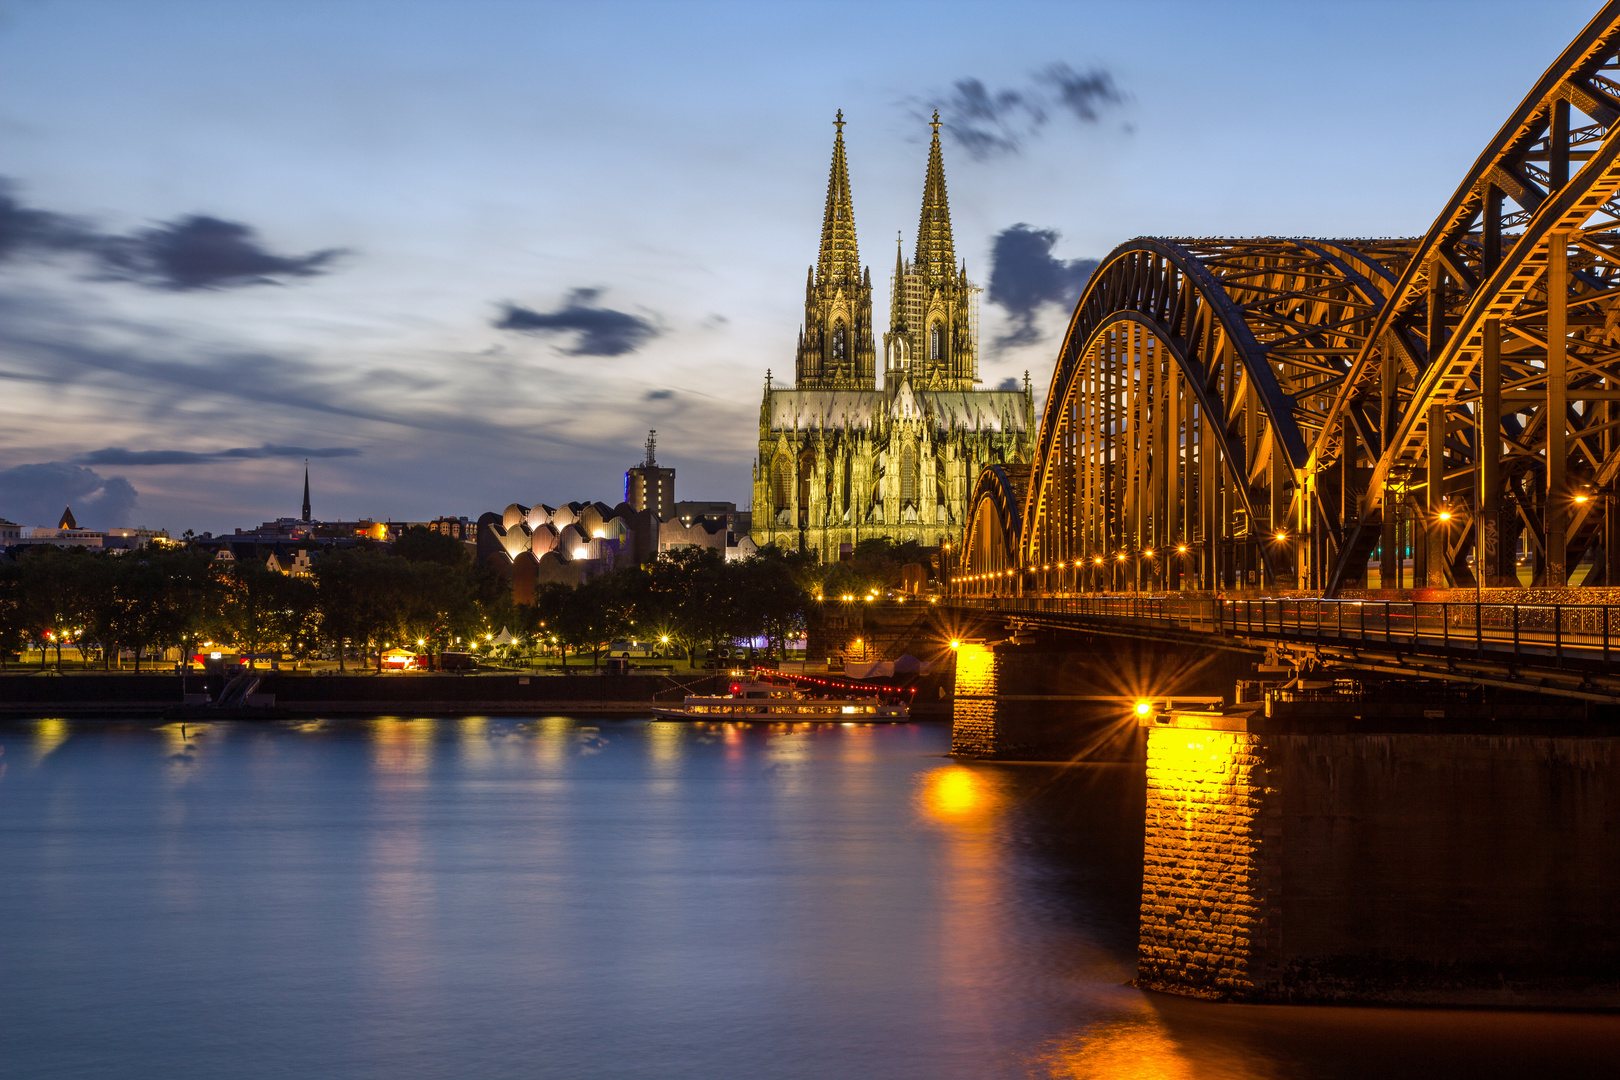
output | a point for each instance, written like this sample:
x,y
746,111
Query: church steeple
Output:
x,y
936,253
934,316
840,255
835,347
306,491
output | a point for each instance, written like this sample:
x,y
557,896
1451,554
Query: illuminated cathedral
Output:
x,y
842,460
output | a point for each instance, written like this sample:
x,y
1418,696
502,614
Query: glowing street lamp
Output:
x,y
1143,708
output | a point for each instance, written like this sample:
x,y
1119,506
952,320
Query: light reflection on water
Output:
x,y
410,897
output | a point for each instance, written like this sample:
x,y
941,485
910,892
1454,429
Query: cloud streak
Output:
x,y
118,455
191,253
1024,275
990,122
602,331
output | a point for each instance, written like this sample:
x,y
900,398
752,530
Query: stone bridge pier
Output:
x,y
1408,843
1442,863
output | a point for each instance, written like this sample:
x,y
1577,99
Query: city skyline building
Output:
x,y
648,487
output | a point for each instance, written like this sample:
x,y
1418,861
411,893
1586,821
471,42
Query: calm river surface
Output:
x,y
492,898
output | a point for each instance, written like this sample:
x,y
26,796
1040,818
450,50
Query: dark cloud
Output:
x,y
23,228
118,455
1024,275
987,122
189,253
35,495
658,395
199,252
602,331
1009,383
1084,96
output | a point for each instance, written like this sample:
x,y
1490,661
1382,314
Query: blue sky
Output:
x,y
237,233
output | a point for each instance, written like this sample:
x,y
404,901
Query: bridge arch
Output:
x,y
1190,387
1487,389
995,524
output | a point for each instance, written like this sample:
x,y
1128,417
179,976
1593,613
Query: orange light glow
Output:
x,y
958,795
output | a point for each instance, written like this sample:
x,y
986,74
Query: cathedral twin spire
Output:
x,y
840,255
835,343
928,318
936,254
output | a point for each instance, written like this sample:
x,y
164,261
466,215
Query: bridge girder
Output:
x,y
1266,411
1506,318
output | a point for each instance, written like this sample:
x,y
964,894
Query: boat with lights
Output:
x,y
773,703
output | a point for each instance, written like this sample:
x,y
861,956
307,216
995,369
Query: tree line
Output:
x,y
426,592
691,598
357,601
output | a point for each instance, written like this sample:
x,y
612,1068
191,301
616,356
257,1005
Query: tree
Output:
x,y
358,596
260,608
188,594
772,600
13,623
422,544
56,595
688,598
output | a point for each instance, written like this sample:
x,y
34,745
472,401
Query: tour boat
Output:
x,y
764,702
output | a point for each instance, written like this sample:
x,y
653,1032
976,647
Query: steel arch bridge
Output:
x,y
1291,413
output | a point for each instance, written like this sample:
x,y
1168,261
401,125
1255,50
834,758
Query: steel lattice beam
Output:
x,y
1269,411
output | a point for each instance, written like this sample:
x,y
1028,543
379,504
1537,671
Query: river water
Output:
x,y
559,897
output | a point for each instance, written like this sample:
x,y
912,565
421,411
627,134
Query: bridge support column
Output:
x,y
1556,512
1390,554
1492,560
1436,533
1288,864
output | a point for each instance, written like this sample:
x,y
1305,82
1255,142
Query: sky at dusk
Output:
x,y
465,254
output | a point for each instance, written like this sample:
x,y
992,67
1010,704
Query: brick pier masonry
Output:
x,y
1404,846
1458,868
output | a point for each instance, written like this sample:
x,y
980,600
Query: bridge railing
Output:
x,y
1582,633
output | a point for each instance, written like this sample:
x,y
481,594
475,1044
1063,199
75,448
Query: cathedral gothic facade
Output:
x,y
842,460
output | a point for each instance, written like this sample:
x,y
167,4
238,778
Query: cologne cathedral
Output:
x,y
843,460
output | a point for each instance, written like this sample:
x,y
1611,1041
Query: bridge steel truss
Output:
x,y
1273,412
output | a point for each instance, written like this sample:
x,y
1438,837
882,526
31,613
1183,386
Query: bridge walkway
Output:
x,y
1571,646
